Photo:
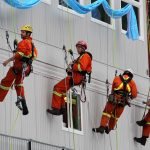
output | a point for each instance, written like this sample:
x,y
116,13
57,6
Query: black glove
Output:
x,y
69,71
15,45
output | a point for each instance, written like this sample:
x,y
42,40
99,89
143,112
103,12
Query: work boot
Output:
x,y
141,122
107,130
18,104
141,140
55,111
24,107
21,104
100,129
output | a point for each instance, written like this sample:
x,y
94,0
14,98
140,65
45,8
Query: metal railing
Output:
x,y
15,143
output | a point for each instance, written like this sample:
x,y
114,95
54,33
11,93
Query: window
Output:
x,y
63,6
138,8
124,18
99,14
61,2
76,122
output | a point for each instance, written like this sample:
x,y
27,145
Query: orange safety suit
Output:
x,y
82,65
112,111
16,73
146,128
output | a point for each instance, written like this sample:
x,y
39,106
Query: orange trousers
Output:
x,y
8,81
146,128
62,87
111,115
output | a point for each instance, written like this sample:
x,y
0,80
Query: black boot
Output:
x,y
100,129
141,140
24,107
141,122
54,111
18,104
107,130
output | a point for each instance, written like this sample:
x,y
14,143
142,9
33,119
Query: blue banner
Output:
x,y
22,4
132,28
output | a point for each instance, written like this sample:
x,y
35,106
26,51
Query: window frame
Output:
x,y
112,21
66,9
71,129
46,2
140,6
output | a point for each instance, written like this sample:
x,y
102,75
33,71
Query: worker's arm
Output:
x,y
147,103
134,91
82,64
8,60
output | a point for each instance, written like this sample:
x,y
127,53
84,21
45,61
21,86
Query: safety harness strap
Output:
x,y
148,123
125,82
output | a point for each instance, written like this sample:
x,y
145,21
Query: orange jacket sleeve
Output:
x,y
133,89
84,64
35,53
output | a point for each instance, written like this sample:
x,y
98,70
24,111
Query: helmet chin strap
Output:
x,y
26,36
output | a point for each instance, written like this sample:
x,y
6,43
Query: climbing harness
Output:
x,y
121,97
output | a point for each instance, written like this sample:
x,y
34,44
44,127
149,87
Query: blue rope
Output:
x,y
22,4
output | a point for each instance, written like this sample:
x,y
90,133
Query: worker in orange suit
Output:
x,y
145,122
22,66
123,88
76,75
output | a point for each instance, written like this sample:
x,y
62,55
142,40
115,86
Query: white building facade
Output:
x,y
55,25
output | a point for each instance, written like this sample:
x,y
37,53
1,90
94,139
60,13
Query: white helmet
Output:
x,y
129,72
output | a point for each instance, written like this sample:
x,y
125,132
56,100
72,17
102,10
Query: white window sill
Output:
x,y
46,1
72,130
70,11
103,23
141,38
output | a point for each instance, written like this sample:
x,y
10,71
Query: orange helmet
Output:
x,y
83,44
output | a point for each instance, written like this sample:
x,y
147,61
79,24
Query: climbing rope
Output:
x,y
69,93
146,101
65,55
148,37
69,98
107,80
13,124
